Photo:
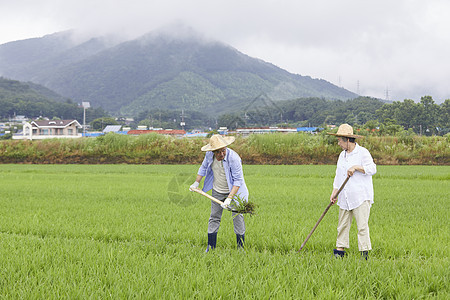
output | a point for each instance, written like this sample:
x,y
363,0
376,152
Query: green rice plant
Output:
x,y
111,231
243,206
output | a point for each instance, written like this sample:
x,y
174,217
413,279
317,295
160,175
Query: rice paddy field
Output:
x,y
135,231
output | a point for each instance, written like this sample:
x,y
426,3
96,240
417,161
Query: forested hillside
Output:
x,y
32,100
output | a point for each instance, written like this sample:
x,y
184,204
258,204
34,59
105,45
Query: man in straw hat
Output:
x,y
222,169
356,198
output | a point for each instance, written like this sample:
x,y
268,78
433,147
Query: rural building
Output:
x,y
261,130
48,129
17,120
112,128
171,132
222,130
196,133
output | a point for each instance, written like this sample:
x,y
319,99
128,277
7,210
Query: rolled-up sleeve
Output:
x,y
205,164
370,168
237,174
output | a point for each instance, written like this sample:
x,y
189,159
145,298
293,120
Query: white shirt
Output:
x,y
359,187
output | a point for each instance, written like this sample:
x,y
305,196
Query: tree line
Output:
x,y
44,108
424,117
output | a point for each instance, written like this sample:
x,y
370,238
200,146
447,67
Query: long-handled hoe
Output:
x,y
323,214
244,207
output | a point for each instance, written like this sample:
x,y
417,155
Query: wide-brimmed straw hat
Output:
x,y
217,141
345,130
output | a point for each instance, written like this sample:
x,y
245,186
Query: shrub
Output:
x,y
277,148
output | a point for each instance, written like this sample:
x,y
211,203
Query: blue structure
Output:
x,y
96,134
92,134
308,129
196,134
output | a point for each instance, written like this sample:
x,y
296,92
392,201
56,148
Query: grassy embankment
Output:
x,y
256,149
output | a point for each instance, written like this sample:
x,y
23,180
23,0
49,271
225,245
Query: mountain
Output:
x,y
168,69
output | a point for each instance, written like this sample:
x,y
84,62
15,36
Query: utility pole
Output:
x,y
357,87
85,106
182,119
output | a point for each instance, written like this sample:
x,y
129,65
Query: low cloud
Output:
x,y
395,46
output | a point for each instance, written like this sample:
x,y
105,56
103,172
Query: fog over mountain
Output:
x,y
384,49
174,67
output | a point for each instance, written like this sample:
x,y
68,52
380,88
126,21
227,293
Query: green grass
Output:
x,y
257,149
120,231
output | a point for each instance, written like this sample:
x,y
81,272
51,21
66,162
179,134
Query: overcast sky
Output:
x,y
385,48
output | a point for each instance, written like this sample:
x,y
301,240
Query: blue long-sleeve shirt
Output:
x,y
232,165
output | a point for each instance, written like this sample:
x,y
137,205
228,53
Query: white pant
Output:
x,y
361,215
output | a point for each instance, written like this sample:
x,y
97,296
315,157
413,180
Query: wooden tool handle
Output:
x,y
342,186
323,214
207,195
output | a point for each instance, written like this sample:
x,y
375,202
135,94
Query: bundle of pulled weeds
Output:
x,y
242,206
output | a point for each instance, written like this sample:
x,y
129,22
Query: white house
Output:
x,y
19,119
38,130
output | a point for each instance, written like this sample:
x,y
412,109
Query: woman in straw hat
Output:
x,y
356,198
222,169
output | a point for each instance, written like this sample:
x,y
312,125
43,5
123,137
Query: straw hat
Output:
x,y
346,130
217,141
